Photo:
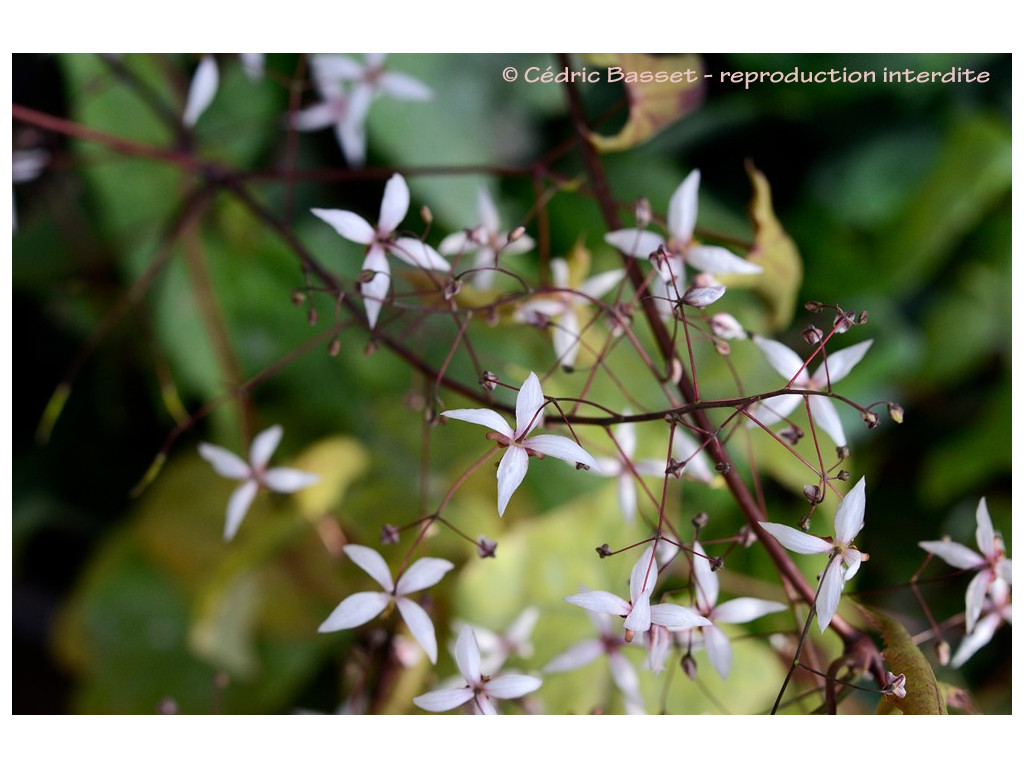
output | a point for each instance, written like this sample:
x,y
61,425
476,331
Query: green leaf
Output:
x,y
905,658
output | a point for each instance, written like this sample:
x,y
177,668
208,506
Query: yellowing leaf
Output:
x,y
660,89
338,461
905,658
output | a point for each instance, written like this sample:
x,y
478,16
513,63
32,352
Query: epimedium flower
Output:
x,y
519,447
381,240
790,365
996,611
254,474
496,648
844,557
560,305
487,240
990,561
355,610
480,688
626,469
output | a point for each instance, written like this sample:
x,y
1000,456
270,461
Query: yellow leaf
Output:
x,y
905,658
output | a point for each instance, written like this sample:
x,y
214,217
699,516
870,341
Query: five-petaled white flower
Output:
x,y
487,240
355,610
991,563
479,688
844,557
638,612
380,240
254,474
671,253
737,611
347,88
790,365
513,465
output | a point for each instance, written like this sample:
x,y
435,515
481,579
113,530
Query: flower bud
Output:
x,y
489,380
813,494
334,347
746,537
426,215
643,213
812,334
689,665
312,316
700,520
716,563
485,547
723,467
814,306
870,419
844,321
703,296
451,289
843,452
604,551
843,475
389,534
791,434
943,652
298,298
895,685
896,412
725,326
516,233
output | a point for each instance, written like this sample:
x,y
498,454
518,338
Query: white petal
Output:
x,y
976,598
457,242
27,164
512,686
840,364
1004,570
419,254
826,418
485,417
420,625
643,576
511,471
774,409
264,445
425,572
467,655
285,480
442,701
487,211
797,541
565,336
635,242
201,91
578,656
561,448
639,617
954,553
239,503
985,535
719,650
520,246
349,225
980,637
625,677
598,285
328,67
253,64
829,591
371,562
676,618
850,515
375,291
706,579
682,208
852,559
484,705
314,117
626,492
783,359
529,403
394,205
599,601
350,132
402,86
225,463
355,610
716,260
744,609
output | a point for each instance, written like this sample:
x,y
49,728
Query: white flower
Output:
x,y
609,643
999,611
513,465
638,612
201,90
844,558
355,610
495,649
380,240
479,688
992,563
738,611
253,474
347,88
560,307
671,253
626,469
791,366
487,240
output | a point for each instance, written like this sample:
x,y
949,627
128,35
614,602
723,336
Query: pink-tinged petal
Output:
x,y
561,448
826,418
635,242
797,541
485,417
676,618
484,705
976,597
201,91
706,579
977,639
744,609
565,336
264,445
512,686
418,254
719,650
1004,570
852,559
850,515
327,67
529,403
420,625
985,535
225,463
355,610
840,364
682,208
954,554
375,290
457,242
829,591
643,576
511,471
394,205
719,261
402,86
704,296
467,655
784,360
349,225
314,117
578,656
639,617
285,480
598,285
442,701
371,562
625,677
425,572
599,601
239,503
